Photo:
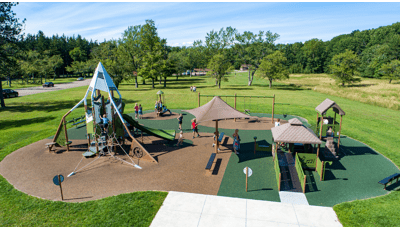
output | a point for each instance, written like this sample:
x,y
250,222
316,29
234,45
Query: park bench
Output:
x,y
390,179
221,135
210,161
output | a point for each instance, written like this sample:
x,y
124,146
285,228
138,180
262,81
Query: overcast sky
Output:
x,y
181,23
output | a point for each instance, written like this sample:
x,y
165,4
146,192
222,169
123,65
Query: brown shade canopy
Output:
x,y
327,104
294,132
216,109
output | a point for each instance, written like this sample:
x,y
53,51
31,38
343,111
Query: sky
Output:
x,y
182,23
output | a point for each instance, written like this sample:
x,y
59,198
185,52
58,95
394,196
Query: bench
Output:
x,y
389,179
211,161
77,123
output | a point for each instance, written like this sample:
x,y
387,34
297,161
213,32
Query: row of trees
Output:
x,y
141,52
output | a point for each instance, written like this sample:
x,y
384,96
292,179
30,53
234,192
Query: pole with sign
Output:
x,y
248,173
57,180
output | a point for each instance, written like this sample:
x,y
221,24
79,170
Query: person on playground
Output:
x,y
140,111
180,118
194,88
136,111
215,139
156,106
236,141
105,123
191,88
160,106
278,123
194,127
180,140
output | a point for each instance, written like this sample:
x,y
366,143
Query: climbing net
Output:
x,y
104,144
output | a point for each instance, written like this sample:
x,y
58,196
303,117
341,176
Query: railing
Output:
x,y
300,173
277,171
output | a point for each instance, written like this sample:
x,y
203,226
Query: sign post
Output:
x,y
57,180
248,173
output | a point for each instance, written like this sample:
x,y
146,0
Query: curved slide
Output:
x,y
164,134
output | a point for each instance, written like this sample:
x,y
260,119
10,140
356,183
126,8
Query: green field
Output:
x,y
35,117
17,84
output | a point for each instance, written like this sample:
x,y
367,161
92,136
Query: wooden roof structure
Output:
x,y
327,104
294,132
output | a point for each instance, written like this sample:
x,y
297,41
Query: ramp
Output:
x,y
164,134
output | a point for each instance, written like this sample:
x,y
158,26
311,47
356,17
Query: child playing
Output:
x,y
215,140
180,118
136,111
236,141
105,123
180,140
156,106
140,111
194,127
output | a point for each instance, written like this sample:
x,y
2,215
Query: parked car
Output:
x,y
80,79
7,93
48,84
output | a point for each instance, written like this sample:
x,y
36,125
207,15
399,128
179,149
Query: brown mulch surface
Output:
x,y
262,123
32,168
165,116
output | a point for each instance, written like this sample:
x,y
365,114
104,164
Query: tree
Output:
x,y
219,67
10,30
314,52
251,48
31,63
49,64
153,51
130,51
391,70
344,66
273,67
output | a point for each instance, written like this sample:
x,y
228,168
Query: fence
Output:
x,y
277,171
300,173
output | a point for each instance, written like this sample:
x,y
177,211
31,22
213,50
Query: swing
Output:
x,y
246,111
284,111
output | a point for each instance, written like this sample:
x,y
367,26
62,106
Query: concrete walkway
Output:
x,y
197,210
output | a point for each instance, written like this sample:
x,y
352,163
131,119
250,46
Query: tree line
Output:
x,y
140,52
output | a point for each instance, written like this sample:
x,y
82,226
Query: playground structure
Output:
x,y
106,141
162,109
328,127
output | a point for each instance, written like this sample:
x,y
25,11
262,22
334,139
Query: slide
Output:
x,y
164,134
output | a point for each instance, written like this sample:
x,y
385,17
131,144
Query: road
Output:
x,y
61,86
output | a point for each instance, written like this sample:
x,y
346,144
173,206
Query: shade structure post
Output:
x,y
340,129
320,130
317,118
199,99
273,107
216,136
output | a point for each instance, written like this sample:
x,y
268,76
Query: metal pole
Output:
x,y
235,104
59,181
216,136
340,129
320,130
247,173
273,107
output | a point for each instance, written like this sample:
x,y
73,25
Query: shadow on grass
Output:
x,y
19,123
246,152
291,87
358,86
47,106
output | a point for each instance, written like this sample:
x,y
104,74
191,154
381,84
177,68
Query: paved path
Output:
x,y
197,210
41,89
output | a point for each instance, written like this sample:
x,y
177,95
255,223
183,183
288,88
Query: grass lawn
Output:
x,y
17,84
31,118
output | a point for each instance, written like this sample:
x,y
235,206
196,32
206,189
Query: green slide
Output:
x,y
164,134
